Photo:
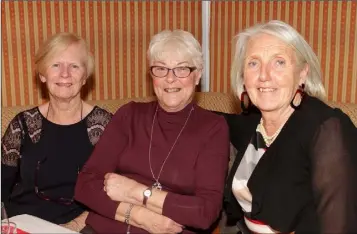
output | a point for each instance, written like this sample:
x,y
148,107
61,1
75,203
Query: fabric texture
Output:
x,y
252,155
39,153
306,181
193,175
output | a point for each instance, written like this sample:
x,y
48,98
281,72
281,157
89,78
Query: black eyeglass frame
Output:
x,y
192,69
41,194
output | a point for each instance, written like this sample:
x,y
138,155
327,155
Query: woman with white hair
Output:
x,y
159,167
295,170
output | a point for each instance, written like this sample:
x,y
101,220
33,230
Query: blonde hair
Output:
x,y
60,42
303,53
185,43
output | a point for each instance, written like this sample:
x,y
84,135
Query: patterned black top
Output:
x,y
38,153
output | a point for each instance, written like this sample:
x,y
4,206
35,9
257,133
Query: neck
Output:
x,y
65,112
272,121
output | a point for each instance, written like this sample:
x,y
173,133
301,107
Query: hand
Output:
x,y
155,223
72,225
119,188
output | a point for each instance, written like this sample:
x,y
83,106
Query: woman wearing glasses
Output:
x,y
44,148
159,167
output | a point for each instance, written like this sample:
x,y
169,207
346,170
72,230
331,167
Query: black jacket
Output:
x,y
307,180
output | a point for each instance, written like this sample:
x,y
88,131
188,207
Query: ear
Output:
x,y
42,78
84,81
303,74
198,76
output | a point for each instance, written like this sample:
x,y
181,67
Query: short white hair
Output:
x,y
185,44
303,53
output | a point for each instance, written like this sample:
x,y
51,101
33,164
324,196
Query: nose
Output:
x,y
65,71
264,72
170,78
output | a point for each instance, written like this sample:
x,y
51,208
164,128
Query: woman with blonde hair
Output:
x,y
296,169
44,148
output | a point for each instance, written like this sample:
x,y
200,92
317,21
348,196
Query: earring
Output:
x,y
245,102
301,92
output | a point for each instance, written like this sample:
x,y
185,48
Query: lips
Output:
x,y
172,90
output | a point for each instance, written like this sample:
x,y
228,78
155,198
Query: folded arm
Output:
x,y
199,210
104,159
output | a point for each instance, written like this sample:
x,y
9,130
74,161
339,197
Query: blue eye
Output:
x,y
253,64
161,68
280,62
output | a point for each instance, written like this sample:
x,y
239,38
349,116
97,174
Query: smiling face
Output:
x,y
66,72
173,93
271,73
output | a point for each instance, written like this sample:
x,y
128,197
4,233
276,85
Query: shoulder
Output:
x,y
15,133
31,121
99,116
96,122
209,123
133,107
208,117
317,112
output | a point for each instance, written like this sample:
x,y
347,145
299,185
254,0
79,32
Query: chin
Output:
x,y
267,108
172,106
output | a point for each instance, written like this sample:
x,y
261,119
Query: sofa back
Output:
x,y
208,100
226,103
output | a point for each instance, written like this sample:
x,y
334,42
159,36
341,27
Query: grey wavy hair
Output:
x,y
185,44
303,52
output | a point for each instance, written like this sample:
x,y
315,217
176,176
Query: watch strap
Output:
x,y
147,197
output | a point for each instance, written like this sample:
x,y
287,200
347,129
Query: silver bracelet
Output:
x,y
127,213
127,217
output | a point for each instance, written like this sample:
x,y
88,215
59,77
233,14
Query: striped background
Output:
x,y
329,26
118,34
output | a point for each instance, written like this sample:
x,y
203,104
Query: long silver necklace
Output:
x,y
157,184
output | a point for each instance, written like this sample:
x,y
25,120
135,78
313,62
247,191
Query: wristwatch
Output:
x,y
147,193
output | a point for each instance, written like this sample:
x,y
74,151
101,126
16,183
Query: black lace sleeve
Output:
x,y
334,174
96,123
10,154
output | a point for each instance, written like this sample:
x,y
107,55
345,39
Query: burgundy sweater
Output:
x,y
194,174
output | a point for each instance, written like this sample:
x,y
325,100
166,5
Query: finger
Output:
x,y
177,224
175,229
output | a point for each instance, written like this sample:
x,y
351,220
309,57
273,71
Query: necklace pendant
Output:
x,y
157,185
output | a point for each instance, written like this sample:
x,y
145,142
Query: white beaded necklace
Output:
x,y
268,139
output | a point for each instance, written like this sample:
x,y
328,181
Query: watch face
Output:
x,y
147,193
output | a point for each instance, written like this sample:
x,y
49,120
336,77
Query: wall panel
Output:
x,y
329,26
118,33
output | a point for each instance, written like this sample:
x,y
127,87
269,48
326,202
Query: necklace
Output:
x,y
268,139
49,106
157,184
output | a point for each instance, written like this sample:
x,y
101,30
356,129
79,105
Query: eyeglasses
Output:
x,y
41,194
179,72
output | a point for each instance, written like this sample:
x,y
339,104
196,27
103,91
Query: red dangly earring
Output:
x,y
245,101
301,92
